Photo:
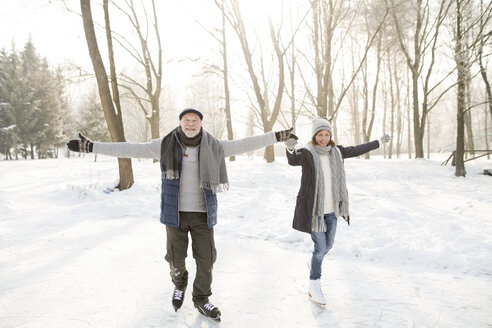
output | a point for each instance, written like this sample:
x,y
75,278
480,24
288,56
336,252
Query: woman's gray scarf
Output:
x,y
213,172
338,186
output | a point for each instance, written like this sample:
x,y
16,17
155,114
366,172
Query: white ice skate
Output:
x,y
315,293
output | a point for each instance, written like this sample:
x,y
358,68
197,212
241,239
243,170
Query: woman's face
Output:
x,y
323,137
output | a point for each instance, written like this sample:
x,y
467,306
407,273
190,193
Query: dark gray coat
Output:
x,y
305,198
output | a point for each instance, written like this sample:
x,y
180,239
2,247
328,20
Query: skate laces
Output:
x,y
178,294
209,306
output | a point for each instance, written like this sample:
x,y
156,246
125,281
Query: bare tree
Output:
x,y
368,118
423,46
483,37
205,91
146,94
329,16
222,40
113,115
466,41
268,116
393,82
298,97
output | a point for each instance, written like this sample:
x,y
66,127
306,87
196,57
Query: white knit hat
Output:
x,y
321,124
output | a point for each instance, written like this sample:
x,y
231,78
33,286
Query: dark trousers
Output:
x,y
204,252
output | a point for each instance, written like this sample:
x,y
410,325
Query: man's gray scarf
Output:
x,y
213,172
338,186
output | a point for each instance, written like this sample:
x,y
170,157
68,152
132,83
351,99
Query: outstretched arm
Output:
x,y
239,146
244,145
150,149
354,151
294,157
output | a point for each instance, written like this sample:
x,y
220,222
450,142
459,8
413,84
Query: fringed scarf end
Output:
x,y
170,175
216,187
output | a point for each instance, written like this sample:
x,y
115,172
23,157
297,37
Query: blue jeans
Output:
x,y
323,242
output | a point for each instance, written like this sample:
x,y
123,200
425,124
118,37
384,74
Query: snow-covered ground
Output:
x,y
417,254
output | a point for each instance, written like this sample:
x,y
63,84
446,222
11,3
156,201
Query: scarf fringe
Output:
x,y
339,188
319,225
170,175
344,210
215,187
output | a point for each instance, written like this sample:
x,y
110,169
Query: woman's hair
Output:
x,y
330,143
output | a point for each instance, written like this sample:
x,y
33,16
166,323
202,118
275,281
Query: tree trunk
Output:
x,y
461,101
417,131
31,152
409,127
355,114
399,122
227,95
486,132
428,136
113,119
268,118
367,126
483,70
392,106
385,112
469,143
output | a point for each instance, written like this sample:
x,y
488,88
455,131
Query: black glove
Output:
x,y
84,145
284,134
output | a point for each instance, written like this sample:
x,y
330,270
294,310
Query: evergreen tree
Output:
x,y
11,91
92,122
27,105
7,117
32,104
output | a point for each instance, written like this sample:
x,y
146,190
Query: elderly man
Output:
x,y
193,170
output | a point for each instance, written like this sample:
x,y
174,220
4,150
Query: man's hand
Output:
x,y
82,145
283,135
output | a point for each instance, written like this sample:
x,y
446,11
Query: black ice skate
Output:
x,y
209,310
178,298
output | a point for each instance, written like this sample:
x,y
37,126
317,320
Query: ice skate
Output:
x,y
209,310
315,293
178,298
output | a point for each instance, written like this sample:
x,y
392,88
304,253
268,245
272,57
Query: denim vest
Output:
x,y
170,200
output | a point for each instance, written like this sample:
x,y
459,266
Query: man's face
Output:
x,y
190,124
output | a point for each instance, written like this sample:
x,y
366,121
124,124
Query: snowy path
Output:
x,y
418,253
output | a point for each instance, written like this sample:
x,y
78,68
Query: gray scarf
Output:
x,y
338,186
213,172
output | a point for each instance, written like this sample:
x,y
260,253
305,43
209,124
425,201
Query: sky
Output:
x,y
418,252
58,34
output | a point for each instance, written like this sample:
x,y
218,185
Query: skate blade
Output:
x,y
210,318
206,316
321,305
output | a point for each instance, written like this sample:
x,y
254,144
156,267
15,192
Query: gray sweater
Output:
x,y
191,197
